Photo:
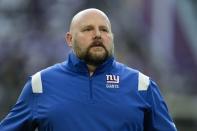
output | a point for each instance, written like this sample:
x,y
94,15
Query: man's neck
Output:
x,y
91,69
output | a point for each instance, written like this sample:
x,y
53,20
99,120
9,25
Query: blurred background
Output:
x,y
157,37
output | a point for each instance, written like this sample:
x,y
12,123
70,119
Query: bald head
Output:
x,y
86,14
90,36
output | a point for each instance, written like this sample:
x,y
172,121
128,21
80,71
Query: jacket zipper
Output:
x,y
90,87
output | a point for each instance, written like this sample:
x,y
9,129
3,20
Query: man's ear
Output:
x,y
68,38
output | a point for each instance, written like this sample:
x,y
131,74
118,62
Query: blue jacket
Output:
x,y
65,97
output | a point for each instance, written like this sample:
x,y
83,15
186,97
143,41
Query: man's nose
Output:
x,y
97,33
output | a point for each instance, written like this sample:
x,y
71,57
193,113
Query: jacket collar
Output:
x,y
75,64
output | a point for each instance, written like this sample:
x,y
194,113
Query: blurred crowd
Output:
x,y
157,37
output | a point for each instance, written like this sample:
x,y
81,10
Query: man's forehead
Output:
x,y
87,17
91,22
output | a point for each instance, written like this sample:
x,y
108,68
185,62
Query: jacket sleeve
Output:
x,y
20,118
157,118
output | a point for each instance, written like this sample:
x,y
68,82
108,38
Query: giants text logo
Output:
x,y
112,81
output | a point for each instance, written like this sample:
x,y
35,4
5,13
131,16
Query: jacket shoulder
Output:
x,y
142,79
37,78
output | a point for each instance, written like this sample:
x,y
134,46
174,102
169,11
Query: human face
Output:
x,y
92,39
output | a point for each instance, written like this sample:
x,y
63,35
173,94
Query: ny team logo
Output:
x,y
112,81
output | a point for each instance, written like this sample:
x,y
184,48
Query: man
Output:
x,y
90,91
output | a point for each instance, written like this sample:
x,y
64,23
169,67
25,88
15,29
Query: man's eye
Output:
x,y
104,30
87,29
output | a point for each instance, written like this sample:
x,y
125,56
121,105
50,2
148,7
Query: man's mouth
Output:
x,y
97,44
